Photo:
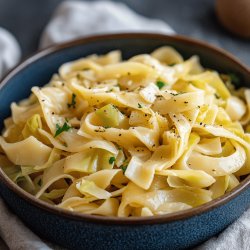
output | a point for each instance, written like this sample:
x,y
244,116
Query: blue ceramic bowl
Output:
x,y
77,231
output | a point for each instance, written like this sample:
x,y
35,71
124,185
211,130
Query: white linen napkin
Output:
x,y
71,20
74,19
10,52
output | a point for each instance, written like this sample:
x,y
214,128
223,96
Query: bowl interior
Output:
x,y
37,70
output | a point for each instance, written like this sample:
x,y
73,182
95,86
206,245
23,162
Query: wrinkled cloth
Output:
x,y
73,20
15,234
76,19
10,52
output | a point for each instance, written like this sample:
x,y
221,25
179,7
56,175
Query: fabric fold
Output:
x,y
74,19
10,51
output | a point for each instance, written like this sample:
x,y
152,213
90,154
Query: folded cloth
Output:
x,y
10,52
15,234
72,20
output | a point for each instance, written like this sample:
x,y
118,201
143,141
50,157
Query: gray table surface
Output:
x,y
196,18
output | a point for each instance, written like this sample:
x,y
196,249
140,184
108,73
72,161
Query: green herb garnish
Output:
x,y
124,168
139,106
60,129
234,79
160,84
111,160
73,102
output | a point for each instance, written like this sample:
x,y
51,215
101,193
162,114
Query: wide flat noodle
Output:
x,y
27,152
150,135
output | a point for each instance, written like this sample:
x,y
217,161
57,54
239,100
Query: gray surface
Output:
x,y
196,18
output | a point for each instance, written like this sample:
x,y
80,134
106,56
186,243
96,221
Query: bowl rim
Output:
x,y
158,219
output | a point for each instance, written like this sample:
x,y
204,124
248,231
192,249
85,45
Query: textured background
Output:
x,y
196,18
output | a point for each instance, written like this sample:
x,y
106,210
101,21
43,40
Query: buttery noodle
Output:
x,y
151,135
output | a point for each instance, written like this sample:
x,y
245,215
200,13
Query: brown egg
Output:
x,y
235,16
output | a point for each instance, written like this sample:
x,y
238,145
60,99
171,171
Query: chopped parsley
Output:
x,y
234,79
139,106
73,101
60,129
160,84
124,168
111,160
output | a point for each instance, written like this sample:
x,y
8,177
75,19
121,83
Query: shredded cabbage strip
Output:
x,y
150,135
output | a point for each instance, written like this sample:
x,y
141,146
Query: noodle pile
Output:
x,y
151,135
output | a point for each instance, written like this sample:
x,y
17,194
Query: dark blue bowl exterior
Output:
x,y
81,234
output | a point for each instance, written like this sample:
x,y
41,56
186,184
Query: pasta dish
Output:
x,y
150,135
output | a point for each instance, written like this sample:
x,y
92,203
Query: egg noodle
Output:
x,y
151,135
